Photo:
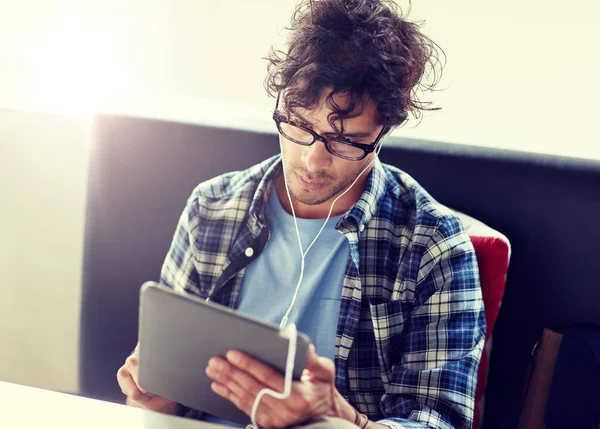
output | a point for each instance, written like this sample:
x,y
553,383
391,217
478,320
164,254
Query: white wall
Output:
x,y
43,179
521,74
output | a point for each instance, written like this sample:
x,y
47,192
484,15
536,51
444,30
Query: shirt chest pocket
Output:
x,y
389,323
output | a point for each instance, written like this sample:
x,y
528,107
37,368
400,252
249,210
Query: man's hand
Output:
x,y
127,376
239,378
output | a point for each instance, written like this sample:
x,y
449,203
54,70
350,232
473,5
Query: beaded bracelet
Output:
x,y
358,417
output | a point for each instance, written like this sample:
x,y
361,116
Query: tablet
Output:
x,y
178,334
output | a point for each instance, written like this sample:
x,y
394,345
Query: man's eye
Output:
x,y
348,140
299,122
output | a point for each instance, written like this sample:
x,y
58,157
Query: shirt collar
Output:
x,y
367,205
269,170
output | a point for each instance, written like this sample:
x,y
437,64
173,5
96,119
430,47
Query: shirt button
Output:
x,y
249,252
361,228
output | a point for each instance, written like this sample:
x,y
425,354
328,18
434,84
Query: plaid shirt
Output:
x,y
411,326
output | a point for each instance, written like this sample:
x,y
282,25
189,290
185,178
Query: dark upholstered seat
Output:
x,y
142,172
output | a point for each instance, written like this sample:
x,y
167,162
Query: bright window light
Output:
x,y
74,68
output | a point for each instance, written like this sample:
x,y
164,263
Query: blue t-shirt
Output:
x,y
270,281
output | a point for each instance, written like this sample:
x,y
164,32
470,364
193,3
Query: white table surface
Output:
x,y
28,407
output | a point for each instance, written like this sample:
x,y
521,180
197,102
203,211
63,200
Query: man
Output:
x,y
389,291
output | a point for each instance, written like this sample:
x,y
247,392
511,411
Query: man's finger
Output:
x,y
312,359
134,374
245,402
130,388
320,368
140,397
239,382
241,389
232,378
261,372
247,382
267,403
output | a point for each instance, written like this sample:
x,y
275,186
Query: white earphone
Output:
x,y
302,252
290,330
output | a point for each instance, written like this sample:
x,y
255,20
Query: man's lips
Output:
x,y
310,185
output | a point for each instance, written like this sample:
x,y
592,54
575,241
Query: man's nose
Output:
x,y
316,157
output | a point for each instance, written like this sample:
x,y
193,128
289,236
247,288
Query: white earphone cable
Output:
x,y
302,252
290,330
292,335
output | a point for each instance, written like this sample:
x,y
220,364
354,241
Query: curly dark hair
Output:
x,y
358,48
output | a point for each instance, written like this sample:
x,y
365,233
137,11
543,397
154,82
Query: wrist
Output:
x,y
342,408
359,419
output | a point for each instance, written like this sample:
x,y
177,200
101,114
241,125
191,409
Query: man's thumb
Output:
x,y
320,368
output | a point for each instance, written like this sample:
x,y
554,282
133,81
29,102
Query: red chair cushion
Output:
x,y
492,250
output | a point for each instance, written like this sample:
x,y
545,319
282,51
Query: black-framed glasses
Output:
x,y
339,145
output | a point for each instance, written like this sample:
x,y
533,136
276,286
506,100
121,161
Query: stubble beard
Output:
x,y
314,198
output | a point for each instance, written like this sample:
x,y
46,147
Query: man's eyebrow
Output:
x,y
357,134
299,116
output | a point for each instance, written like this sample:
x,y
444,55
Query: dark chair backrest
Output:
x,y
142,172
